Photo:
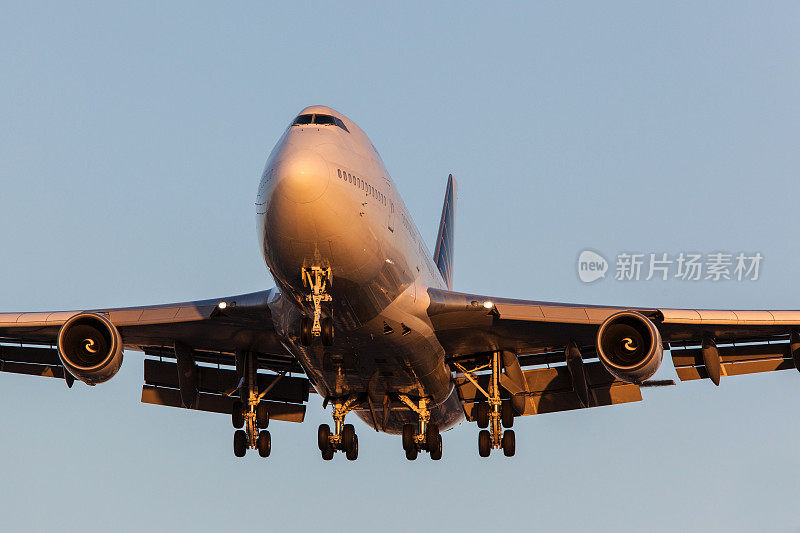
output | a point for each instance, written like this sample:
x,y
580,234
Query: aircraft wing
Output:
x,y
206,338
702,343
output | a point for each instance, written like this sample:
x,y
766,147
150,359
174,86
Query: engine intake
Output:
x,y
629,346
90,348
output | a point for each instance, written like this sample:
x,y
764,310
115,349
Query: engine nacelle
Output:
x,y
90,348
629,346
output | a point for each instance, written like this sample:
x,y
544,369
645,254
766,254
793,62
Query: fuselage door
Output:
x,y
390,210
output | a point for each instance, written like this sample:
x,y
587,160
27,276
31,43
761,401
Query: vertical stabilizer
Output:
x,y
443,256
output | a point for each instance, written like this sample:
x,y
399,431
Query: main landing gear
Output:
x,y
253,415
428,438
317,280
344,439
494,414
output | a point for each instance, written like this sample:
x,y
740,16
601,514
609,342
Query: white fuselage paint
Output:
x,y
325,199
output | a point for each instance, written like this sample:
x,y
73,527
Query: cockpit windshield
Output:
x,y
323,120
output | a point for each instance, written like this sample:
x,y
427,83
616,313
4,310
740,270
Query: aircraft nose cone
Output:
x,y
302,176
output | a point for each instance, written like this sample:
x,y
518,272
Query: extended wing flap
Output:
x,y
734,360
215,403
551,390
31,360
285,399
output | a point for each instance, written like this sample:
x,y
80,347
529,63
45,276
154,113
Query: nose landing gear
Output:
x,y
344,439
317,280
428,438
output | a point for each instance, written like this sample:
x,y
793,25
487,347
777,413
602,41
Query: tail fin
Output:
x,y
443,256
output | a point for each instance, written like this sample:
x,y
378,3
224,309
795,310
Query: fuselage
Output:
x,y
326,200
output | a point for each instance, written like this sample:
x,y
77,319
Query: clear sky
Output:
x,y
132,137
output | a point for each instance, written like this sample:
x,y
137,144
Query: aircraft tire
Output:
x,y
436,452
352,453
348,437
431,435
408,437
509,443
482,415
507,414
237,415
411,454
327,453
305,331
262,415
327,331
239,443
324,437
484,443
264,443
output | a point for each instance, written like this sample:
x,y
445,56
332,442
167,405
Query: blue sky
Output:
x,y
132,136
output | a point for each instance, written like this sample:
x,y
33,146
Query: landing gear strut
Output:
x,y
428,438
344,439
494,414
317,280
249,412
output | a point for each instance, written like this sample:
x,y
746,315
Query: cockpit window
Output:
x,y
320,119
323,119
341,124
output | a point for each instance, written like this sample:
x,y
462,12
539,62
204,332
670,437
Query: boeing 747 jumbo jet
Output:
x,y
366,318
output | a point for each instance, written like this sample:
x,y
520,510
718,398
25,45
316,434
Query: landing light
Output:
x,y
488,305
222,305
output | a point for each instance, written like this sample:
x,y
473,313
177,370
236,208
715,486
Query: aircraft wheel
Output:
x,y
264,443
239,443
482,415
348,437
352,453
324,437
327,453
484,443
305,331
408,437
436,450
431,435
327,331
262,415
509,443
507,414
411,454
237,415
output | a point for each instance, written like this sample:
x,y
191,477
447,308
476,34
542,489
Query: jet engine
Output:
x,y
629,346
90,348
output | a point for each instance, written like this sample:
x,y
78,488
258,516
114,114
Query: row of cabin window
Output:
x,y
362,184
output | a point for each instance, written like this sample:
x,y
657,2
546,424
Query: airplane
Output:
x,y
366,318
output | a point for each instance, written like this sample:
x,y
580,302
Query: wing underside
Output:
x,y
702,343
210,340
